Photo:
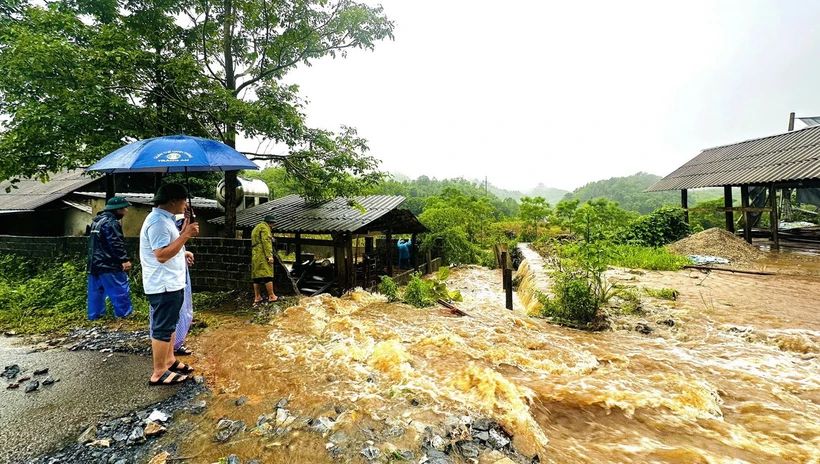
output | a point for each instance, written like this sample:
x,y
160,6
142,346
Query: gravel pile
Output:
x,y
716,242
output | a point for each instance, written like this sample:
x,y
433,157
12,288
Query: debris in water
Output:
x,y
41,371
370,453
643,328
31,386
157,416
161,458
88,435
11,371
48,380
241,400
152,428
716,242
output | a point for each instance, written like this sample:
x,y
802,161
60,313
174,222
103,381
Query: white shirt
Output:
x,y
158,231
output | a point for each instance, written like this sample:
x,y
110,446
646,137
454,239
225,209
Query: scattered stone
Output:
x,y
468,449
414,402
137,436
234,428
497,440
25,378
120,437
198,407
331,378
438,443
223,424
482,435
161,458
12,386
668,323
322,425
153,428
483,424
340,438
41,371
88,436
643,328
241,400
10,333
282,403
199,379
48,380
233,459
101,443
334,451
255,461
261,430
435,456
406,455
370,453
394,431
11,371
157,416
263,419
504,460
282,416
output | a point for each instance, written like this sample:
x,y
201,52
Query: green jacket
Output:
x,y
262,241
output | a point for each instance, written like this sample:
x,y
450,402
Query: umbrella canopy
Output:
x,y
174,153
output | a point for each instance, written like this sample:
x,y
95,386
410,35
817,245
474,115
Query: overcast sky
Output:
x,y
563,92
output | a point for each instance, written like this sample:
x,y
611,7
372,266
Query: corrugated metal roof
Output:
x,y
146,199
84,206
778,158
31,194
293,214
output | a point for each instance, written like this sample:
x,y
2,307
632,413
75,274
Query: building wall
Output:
x,y
132,222
75,222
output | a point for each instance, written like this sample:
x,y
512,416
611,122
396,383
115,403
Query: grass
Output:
x,y
639,257
662,293
43,297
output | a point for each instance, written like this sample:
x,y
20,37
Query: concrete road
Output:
x,y
93,386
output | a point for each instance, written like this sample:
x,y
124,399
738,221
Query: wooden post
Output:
x,y
744,203
773,217
508,283
727,202
351,262
230,204
298,249
791,122
338,259
414,260
684,203
110,189
429,256
368,245
504,268
389,250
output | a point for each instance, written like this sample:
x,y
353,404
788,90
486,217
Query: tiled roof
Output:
x,y
31,194
293,214
785,157
146,199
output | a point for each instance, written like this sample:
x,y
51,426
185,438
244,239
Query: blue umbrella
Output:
x,y
174,153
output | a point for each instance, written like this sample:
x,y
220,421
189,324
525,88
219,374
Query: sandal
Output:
x,y
175,379
256,304
182,370
274,300
183,351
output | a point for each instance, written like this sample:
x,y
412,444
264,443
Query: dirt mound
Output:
x,y
716,242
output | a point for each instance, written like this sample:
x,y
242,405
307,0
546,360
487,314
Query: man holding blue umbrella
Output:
x,y
164,265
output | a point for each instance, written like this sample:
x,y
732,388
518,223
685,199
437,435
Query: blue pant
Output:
x,y
115,286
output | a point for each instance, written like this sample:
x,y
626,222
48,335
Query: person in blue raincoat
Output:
x,y
108,262
404,253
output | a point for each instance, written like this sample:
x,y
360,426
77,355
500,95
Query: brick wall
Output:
x,y
221,264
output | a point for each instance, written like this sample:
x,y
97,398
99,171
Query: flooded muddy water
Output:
x,y
734,378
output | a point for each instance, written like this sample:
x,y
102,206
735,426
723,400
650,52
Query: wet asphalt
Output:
x,y
92,386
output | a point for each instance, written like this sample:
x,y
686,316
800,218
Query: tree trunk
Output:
x,y
230,129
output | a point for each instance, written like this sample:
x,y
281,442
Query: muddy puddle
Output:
x,y
736,378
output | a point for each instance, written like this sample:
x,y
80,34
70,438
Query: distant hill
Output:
x,y
629,193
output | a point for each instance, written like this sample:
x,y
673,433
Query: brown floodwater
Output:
x,y
735,379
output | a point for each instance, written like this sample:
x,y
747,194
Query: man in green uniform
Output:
x,y
262,260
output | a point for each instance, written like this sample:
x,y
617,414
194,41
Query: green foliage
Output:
x,y
600,219
658,228
630,300
630,193
388,288
44,296
456,220
534,211
204,301
82,78
418,293
628,256
702,220
579,286
662,293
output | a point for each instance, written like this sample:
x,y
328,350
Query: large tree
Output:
x,y
82,77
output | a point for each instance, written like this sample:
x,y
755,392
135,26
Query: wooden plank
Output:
x,y
305,241
727,202
684,203
744,204
737,271
775,221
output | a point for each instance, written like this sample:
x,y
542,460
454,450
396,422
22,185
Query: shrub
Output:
x,y
388,288
641,257
656,229
663,293
418,292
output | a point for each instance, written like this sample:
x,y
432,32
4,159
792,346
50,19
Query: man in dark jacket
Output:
x,y
108,262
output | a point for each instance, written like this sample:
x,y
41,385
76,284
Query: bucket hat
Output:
x,y
114,203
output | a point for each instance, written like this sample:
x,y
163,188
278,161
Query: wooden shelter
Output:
x,y
345,221
779,162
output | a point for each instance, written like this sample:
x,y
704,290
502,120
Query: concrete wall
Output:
x,y
132,222
75,222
